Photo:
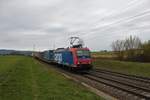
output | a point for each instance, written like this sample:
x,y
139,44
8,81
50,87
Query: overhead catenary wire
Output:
x,y
128,19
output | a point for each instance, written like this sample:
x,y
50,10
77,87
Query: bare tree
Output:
x,y
118,48
132,47
127,48
132,43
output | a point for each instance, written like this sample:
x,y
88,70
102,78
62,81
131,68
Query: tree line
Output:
x,y
132,49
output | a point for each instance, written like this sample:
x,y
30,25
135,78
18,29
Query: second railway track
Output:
x,y
129,86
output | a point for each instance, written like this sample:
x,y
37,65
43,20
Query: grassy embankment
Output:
x,y
22,78
134,68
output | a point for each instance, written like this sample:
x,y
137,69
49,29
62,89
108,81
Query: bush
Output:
x,y
146,51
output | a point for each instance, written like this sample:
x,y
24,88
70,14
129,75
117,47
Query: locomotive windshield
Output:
x,y
85,53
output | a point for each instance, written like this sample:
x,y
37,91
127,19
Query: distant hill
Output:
x,y
5,52
15,52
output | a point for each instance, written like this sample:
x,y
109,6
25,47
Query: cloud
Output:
x,y
48,22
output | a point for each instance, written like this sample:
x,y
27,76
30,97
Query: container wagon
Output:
x,y
48,55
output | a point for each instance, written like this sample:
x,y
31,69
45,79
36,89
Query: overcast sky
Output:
x,y
44,23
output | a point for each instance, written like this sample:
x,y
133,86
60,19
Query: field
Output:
x,y
134,68
103,55
23,78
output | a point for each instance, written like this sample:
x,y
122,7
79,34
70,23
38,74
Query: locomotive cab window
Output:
x,y
81,53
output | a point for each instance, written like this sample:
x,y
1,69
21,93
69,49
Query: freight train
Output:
x,y
73,58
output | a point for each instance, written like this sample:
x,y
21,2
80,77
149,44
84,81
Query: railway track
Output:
x,y
118,85
127,87
133,77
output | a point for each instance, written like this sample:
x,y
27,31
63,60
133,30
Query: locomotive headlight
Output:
x,y
78,62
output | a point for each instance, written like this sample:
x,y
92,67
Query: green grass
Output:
x,y
134,68
23,78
